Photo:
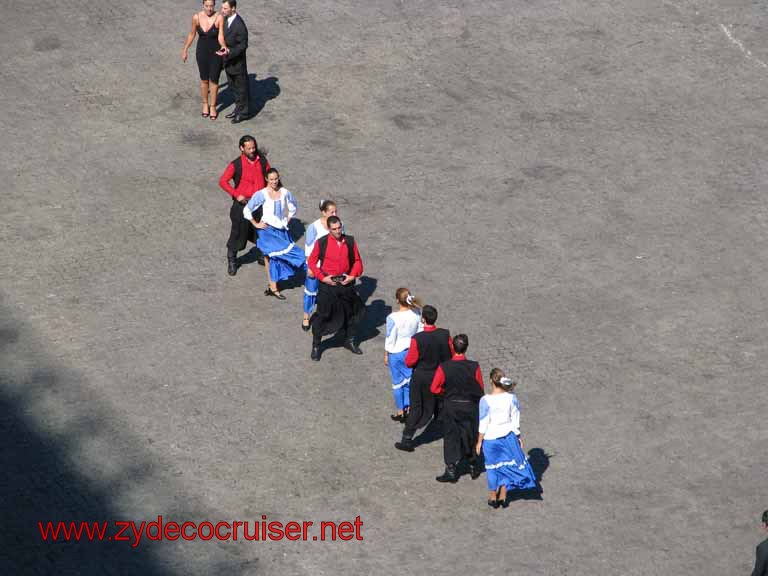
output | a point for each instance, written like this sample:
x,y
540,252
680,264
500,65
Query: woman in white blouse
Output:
x,y
283,258
401,325
506,466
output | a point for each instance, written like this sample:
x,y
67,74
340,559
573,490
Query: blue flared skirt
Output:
x,y
285,258
401,379
507,465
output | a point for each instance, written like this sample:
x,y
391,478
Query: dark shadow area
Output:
x,y
250,257
40,482
261,92
432,433
375,313
539,460
296,229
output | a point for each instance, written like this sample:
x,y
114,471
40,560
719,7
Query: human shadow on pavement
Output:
x,y
44,480
432,433
375,313
539,461
260,92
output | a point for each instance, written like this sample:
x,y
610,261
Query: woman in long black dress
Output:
x,y
209,26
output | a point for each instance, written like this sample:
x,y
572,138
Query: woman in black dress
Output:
x,y
209,26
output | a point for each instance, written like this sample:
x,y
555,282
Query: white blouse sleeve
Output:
x,y
485,416
292,204
253,204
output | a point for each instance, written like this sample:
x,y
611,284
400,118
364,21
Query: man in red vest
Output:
x,y
248,174
335,261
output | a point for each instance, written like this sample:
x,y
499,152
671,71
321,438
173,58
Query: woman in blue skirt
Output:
x,y
401,326
506,466
283,258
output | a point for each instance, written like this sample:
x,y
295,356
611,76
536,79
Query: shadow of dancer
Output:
x,y
375,313
539,461
260,92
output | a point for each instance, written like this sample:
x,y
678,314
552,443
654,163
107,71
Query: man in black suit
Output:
x,y
236,37
761,560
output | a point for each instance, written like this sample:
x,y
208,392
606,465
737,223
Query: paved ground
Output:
x,y
579,185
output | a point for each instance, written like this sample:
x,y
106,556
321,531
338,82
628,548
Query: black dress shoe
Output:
x,y
494,504
397,417
231,114
406,445
270,292
352,347
450,475
231,267
305,327
503,503
315,355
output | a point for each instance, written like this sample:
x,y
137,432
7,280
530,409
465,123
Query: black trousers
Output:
x,y
460,422
339,311
423,404
242,231
239,85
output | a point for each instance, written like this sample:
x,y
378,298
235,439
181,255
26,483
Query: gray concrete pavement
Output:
x,y
577,185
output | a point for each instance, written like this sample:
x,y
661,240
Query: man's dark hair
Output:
x,y
248,137
460,343
428,313
333,220
765,518
232,4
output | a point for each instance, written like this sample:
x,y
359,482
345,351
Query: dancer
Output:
x,y
335,261
209,26
235,63
248,173
283,258
315,231
460,383
506,466
401,326
427,350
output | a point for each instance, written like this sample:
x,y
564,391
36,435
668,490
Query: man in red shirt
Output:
x,y
335,261
248,174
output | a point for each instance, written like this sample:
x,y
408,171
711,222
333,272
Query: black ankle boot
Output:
x,y
352,347
475,469
450,475
231,265
406,444
315,355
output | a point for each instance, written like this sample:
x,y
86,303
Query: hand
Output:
x,y
259,225
479,447
241,199
327,280
222,51
347,280
386,359
184,55
310,273
520,439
